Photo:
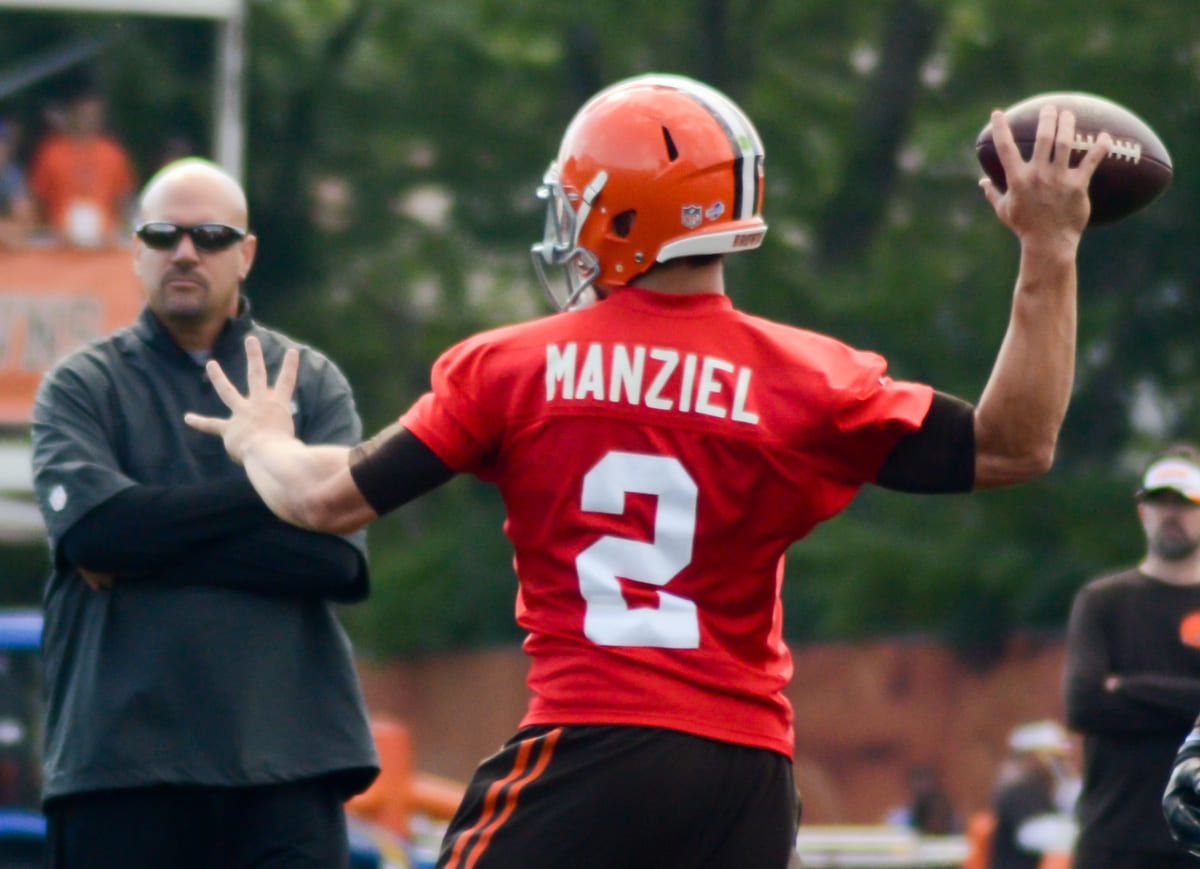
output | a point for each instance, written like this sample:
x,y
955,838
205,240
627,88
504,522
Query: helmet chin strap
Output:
x,y
586,297
585,264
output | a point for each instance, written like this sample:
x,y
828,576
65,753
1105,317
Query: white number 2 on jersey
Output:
x,y
609,620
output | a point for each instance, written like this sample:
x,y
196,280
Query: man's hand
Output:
x,y
1044,197
264,412
1181,804
97,580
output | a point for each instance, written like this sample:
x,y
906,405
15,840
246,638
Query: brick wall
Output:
x,y
864,714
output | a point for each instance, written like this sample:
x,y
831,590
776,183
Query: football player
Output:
x,y
658,451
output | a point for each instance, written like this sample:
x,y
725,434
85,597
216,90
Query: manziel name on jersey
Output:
x,y
641,377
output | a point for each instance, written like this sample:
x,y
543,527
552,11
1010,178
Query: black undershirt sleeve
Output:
x,y
394,467
274,559
937,458
217,533
146,527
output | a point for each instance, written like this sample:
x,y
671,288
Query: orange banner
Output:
x,y
51,302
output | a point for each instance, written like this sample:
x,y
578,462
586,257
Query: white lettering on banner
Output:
x,y
645,377
36,331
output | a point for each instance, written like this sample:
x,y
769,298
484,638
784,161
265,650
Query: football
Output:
x,y
1136,171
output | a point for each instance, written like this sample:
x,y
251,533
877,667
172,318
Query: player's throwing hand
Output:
x,y
264,411
1045,193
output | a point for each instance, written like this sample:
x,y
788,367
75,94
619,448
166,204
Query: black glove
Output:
x,y
1181,803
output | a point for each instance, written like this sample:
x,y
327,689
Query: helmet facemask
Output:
x,y
560,242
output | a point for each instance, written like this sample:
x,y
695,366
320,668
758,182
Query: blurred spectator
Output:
x,y
1132,680
174,147
929,809
1034,797
54,118
83,178
16,208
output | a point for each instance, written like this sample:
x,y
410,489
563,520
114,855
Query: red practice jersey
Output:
x,y
657,455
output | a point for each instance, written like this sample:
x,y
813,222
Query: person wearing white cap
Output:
x,y
1033,797
1132,681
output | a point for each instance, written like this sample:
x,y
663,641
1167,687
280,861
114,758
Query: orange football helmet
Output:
x,y
651,169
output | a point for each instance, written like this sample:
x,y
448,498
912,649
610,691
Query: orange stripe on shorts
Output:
x,y
489,820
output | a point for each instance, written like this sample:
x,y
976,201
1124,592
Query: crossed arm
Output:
x,y
211,533
1100,701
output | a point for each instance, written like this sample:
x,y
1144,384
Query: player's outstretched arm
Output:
x,y
309,486
1045,204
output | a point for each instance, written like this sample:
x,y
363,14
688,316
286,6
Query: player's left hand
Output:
x,y
263,412
1045,197
1181,804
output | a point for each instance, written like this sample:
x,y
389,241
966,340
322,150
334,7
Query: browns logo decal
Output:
x,y
1189,630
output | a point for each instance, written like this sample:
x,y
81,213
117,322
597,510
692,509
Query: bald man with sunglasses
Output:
x,y
202,705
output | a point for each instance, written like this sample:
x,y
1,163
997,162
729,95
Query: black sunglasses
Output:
x,y
207,237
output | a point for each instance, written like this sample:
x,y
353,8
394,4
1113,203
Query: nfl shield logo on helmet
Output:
x,y
692,215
